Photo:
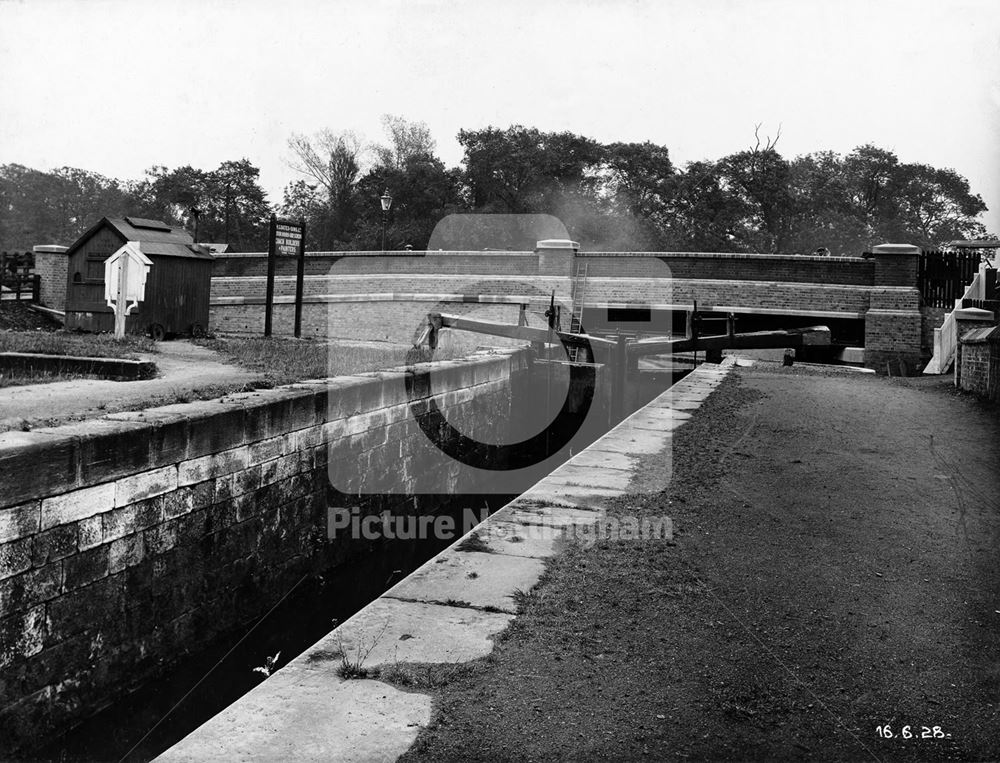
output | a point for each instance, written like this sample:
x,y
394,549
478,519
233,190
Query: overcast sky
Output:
x,y
116,86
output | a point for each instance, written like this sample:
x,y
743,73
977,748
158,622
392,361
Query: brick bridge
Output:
x,y
871,303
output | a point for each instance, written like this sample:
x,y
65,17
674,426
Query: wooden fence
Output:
x,y
17,277
943,276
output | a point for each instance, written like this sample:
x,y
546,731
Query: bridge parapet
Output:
x,y
730,266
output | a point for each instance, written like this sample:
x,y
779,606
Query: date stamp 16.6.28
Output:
x,y
911,732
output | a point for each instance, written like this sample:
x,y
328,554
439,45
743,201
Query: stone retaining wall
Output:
x,y
128,541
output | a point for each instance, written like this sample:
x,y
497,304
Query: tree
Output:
x,y
704,215
169,195
303,200
635,181
423,192
231,203
407,141
936,205
235,209
334,161
823,214
758,179
53,207
523,170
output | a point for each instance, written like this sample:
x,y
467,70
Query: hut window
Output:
x,y
78,277
95,270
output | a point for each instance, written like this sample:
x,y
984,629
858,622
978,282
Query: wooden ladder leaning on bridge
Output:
x,y
576,317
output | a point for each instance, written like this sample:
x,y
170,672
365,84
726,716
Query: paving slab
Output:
x,y
557,494
474,578
520,538
307,713
391,631
596,476
594,456
635,441
683,404
551,516
651,423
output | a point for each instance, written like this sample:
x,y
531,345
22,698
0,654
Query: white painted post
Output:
x,y
121,300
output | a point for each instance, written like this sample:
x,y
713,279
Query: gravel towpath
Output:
x,y
183,368
835,569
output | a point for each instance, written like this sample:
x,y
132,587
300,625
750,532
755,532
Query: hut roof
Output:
x,y
155,238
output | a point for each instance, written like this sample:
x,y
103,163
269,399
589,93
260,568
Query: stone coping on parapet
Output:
x,y
727,256
447,611
390,296
522,253
387,253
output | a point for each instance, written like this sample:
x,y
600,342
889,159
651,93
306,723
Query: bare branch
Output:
x,y
771,144
308,160
321,157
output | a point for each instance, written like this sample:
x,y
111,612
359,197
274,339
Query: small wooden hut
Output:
x,y
177,289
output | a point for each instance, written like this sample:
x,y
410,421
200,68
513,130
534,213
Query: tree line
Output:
x,y
611,196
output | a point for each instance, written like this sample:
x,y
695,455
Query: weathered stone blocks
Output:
x,y
145,485
33,465
78,504
19,521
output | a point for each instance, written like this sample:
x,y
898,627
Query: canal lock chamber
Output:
x,y
456,440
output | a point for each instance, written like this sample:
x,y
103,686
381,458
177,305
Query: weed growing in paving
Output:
x,y
422,676
352,665
474,542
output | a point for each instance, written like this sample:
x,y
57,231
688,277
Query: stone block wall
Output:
x,y
128,541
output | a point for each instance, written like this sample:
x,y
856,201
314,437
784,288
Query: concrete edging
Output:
x,y
441,613
108,368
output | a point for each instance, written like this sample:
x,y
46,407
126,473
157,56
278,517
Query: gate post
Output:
x,y
893,320
619,389
52,268
967,319
556,257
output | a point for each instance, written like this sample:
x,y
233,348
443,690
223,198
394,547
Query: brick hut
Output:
x,y
177,288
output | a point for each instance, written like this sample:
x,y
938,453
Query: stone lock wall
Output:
x,y
131,540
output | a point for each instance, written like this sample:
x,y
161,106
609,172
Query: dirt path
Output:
x,y
835,568
183,369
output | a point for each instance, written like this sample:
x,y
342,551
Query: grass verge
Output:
x,y
283,361
77,345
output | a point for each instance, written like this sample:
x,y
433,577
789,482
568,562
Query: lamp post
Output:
x,y
386,200
195,213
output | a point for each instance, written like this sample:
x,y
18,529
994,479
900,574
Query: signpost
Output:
x,y
287,239
125,274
